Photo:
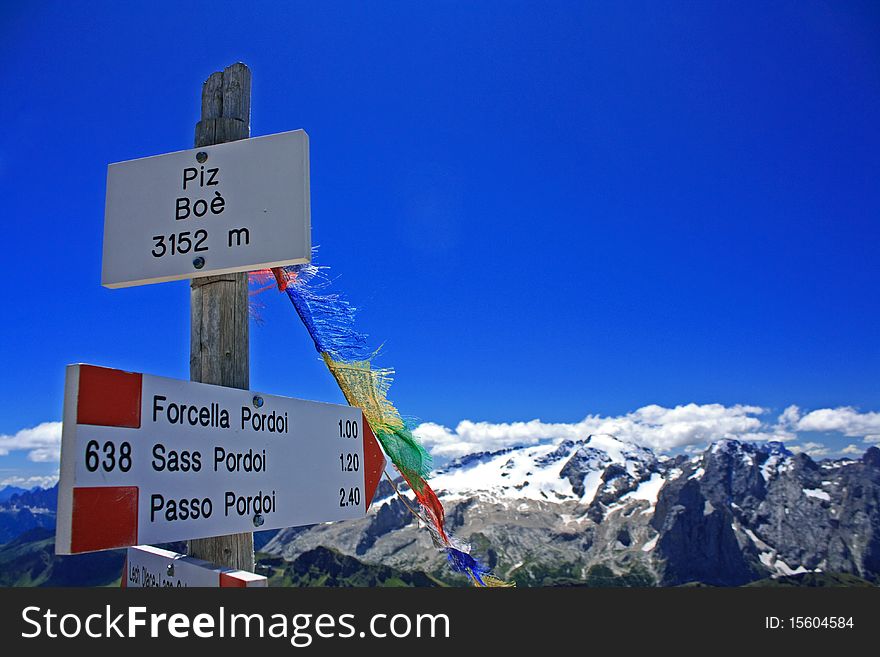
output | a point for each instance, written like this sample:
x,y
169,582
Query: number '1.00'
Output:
x,y
348,429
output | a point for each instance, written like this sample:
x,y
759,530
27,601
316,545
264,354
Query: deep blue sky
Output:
x,y
542,210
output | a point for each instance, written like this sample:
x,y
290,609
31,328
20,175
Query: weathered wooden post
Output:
x,y
219,340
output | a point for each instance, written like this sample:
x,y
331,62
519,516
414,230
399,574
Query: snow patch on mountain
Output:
x,y
647,490
524,473
571,470
817,493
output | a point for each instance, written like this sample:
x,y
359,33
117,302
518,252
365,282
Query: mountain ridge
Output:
x,y
26,510
735,513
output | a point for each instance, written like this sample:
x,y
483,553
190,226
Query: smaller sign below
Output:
x,y
147,566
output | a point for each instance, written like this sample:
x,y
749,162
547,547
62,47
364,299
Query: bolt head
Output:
x,y
258,401
170,570
199,262
258,520
201,157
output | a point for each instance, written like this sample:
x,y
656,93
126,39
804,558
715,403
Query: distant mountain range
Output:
x,y
29,560
328,567
593,512
22,510
604,512
8,491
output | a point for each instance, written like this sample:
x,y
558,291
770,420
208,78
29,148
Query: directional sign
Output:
x,y
238,206
145,459
147,566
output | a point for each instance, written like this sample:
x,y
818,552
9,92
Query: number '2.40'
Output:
x,y
352,499
179,243
105,456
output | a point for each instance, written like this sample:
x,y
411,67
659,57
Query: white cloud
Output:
x,y
852,449
42,442
45,481
789,417
688,426
653,426
815,450
469,437
845,420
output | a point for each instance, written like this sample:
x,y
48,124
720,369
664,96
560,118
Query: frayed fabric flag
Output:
x,y
329,320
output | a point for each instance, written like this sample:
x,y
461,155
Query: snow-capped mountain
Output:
x,y
600,510
570,471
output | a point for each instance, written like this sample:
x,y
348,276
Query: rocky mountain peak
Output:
x,y
574,510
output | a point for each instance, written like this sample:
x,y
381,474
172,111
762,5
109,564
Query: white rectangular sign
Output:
x,y
238,206
147,566
145,459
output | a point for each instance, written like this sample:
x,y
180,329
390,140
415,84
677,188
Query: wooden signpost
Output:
x,y
219,350
148,459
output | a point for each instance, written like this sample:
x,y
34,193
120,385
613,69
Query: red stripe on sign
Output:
x,y
109,398
374,463
103,518
231,581
123,583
